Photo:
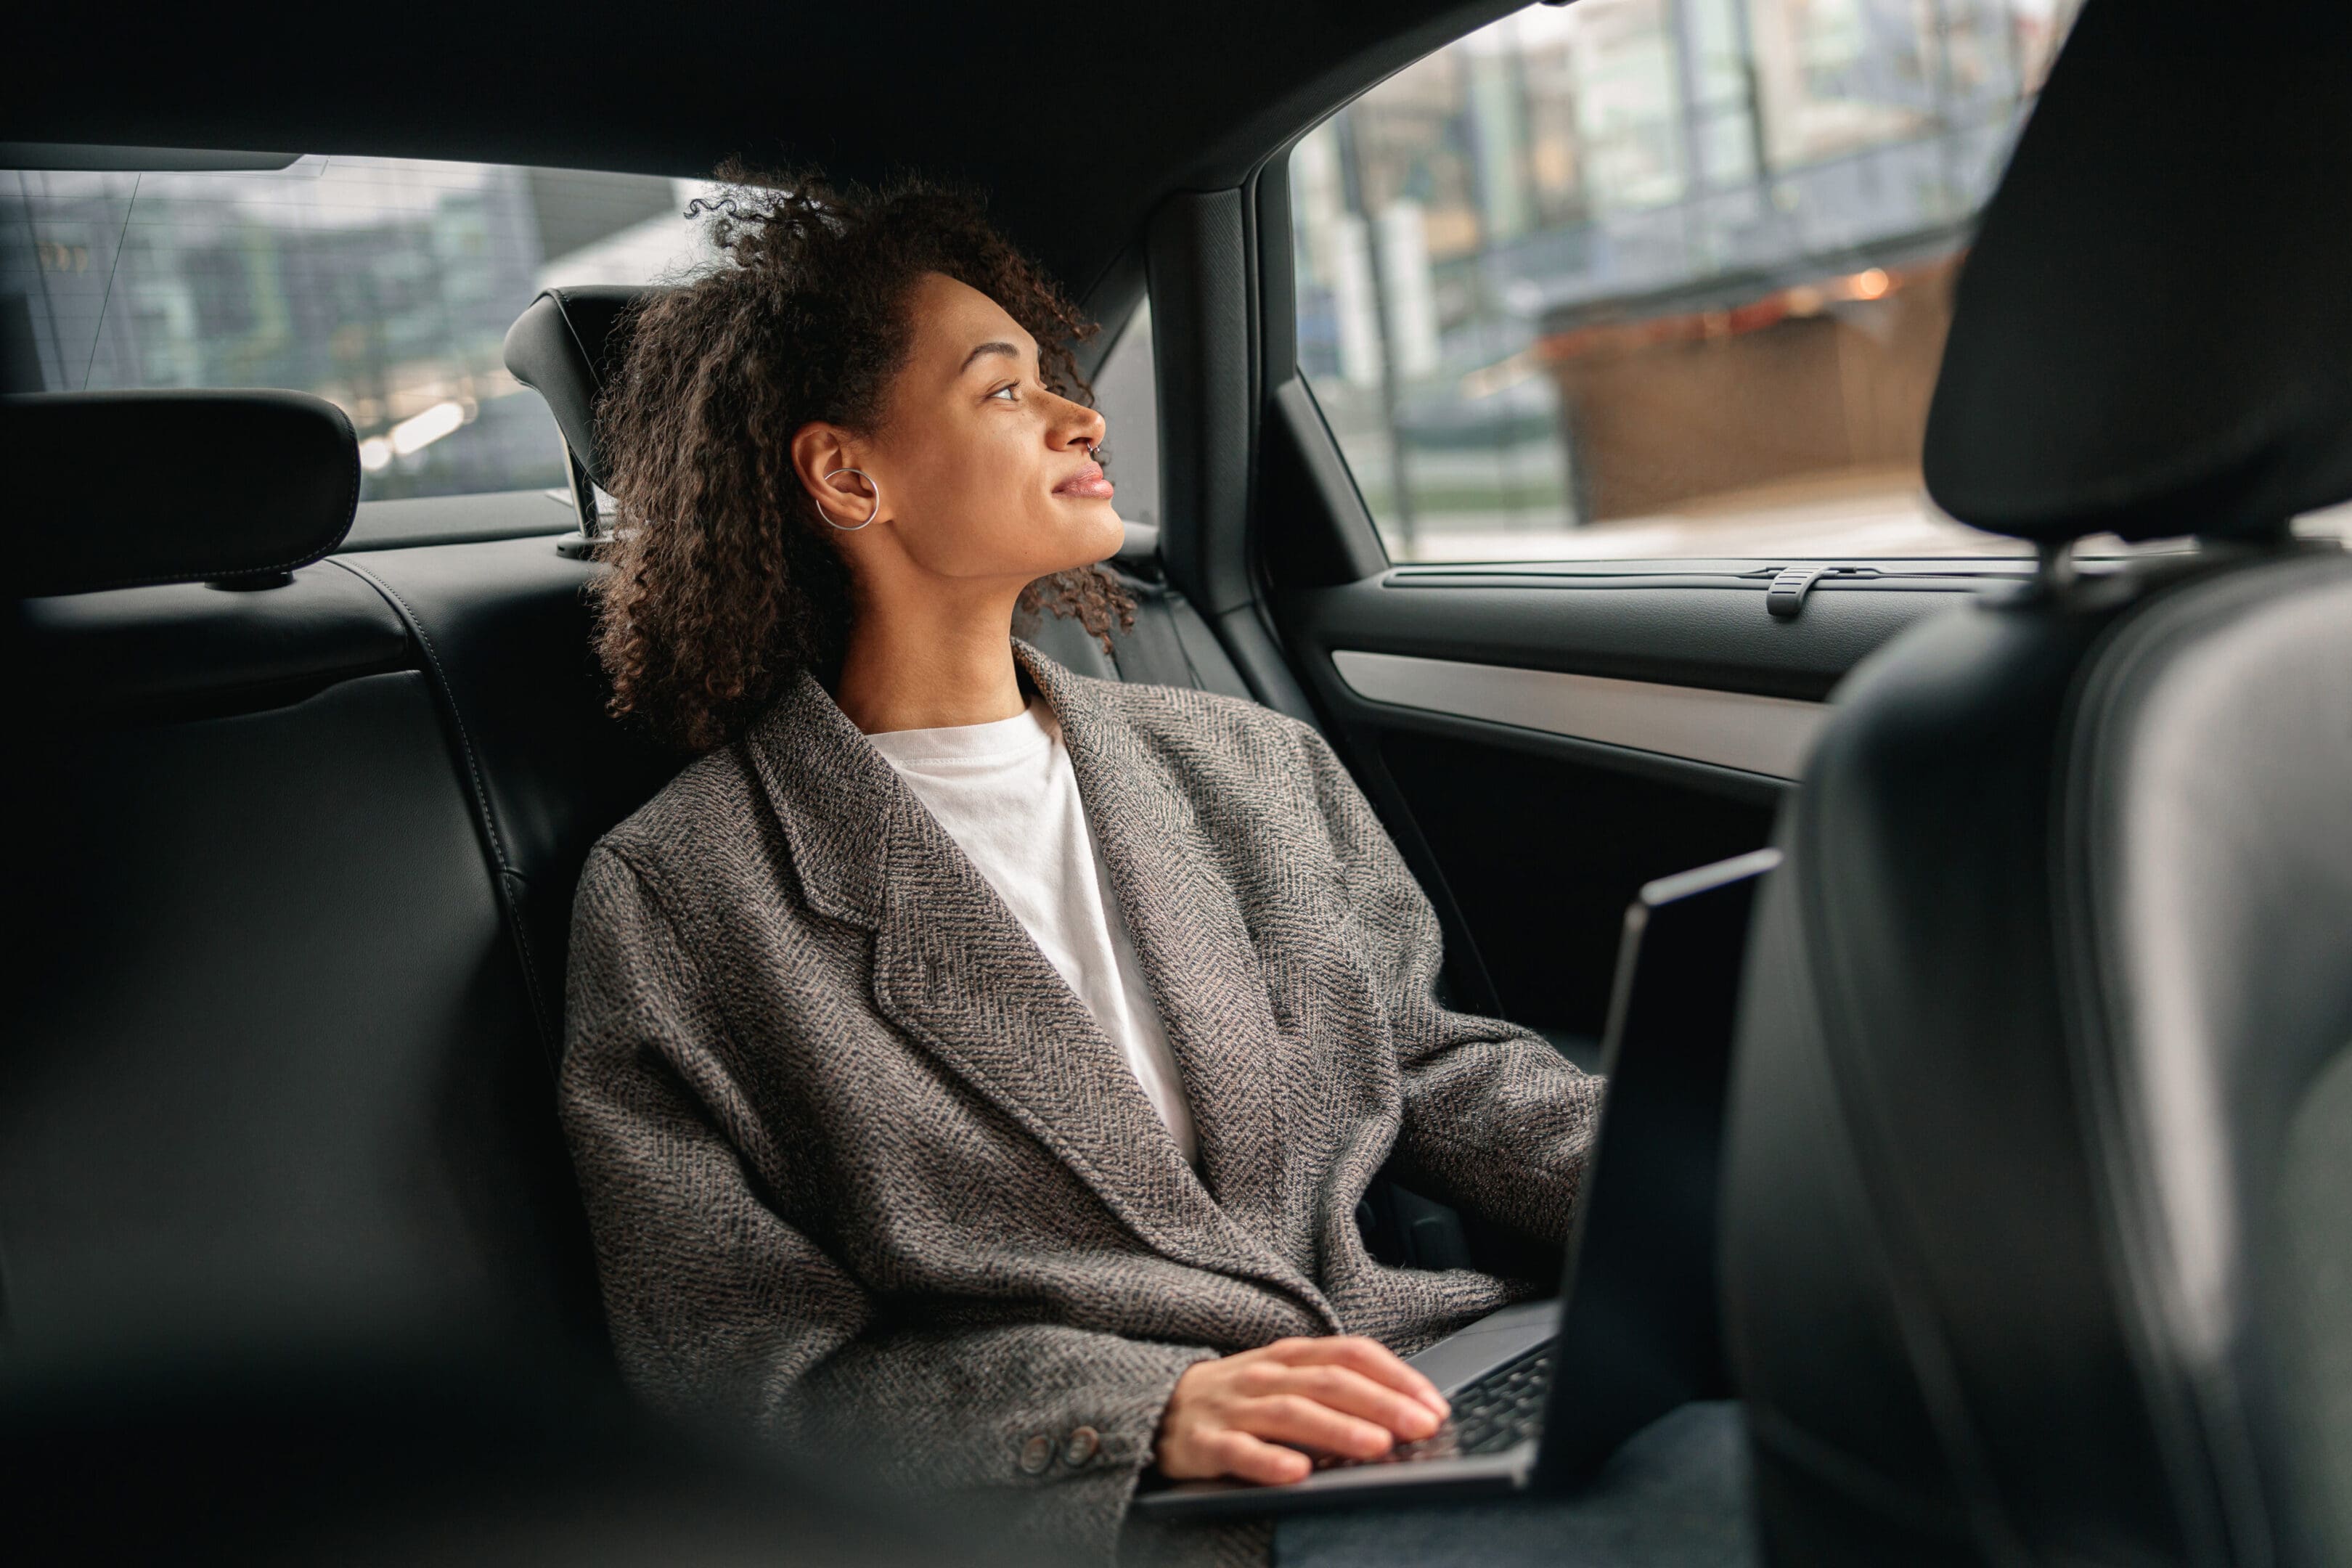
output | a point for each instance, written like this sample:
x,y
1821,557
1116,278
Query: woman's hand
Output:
x,y
1249,1416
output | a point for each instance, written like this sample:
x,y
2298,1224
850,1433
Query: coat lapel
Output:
x,y
1194,945
955,970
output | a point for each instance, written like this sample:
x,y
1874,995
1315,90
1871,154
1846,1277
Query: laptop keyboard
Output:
x,y
1499,1411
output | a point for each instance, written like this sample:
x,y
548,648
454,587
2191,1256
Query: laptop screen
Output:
x,y
1640,1333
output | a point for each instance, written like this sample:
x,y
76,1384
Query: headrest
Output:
x,y
2153,333
114,489
563,347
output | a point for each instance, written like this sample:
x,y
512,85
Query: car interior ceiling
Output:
x,y
308,782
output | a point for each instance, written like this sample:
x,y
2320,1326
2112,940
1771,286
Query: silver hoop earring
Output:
x,y
854,526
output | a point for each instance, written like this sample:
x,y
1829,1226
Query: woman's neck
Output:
x,y
929,670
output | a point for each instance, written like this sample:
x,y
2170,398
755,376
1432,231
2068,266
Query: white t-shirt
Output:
x,y
1006,793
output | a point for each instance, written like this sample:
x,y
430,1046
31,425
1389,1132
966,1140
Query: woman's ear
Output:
x,y
825,458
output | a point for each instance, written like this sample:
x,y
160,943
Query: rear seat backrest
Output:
x,y
300,862
274,1077
502,629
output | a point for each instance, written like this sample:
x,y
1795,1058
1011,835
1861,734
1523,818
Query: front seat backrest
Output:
x,y
2039,1206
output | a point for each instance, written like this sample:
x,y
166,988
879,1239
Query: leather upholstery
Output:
x,y
1169,644
187,649
2152,336
563,347
2039,1025
273,1075
2036,1217
2038,1214
128,488
1904,951
265,1082
307,852
2205,896
502,631
288,1238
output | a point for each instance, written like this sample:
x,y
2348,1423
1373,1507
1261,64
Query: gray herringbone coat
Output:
x,y
858,1161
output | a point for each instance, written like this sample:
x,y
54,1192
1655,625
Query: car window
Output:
x,y
1659,277
386,285
1127,392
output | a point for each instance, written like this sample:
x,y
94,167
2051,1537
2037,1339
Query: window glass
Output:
x,y
1658,277
1127,392
384,285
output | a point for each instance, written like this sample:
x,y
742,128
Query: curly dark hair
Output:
x,y
725,580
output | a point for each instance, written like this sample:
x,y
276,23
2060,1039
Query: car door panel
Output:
x,y
1544,740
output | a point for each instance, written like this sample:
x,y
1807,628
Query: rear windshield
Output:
x,y
384,285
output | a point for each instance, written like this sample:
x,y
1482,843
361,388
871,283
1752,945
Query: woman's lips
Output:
x,y
1086,484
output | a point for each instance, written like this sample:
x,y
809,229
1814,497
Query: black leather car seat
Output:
x,y
291,1263
272,1076
2039,1206
502,631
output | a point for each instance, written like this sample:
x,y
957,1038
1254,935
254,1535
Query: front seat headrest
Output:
x,y
563,347
118,489
2152,335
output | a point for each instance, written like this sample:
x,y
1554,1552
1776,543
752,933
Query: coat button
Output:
x,y
1037,1454
1083,1444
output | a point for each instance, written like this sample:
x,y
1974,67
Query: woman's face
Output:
x,y
983,473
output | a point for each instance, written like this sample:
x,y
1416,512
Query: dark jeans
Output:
x,y
1675,1496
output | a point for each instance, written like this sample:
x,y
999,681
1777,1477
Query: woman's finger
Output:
x,y
1370,1357
1296,1419
1247,1458
1344,1389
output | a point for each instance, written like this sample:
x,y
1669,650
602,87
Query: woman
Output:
x,y
967,1058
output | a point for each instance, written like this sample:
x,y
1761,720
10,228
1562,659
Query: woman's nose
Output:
x,y
1083,427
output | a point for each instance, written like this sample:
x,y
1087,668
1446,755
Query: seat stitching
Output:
x,y
509,880
503,866
441,679
1176,625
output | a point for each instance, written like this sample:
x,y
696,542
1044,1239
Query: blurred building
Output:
x,y
1602,260
383,285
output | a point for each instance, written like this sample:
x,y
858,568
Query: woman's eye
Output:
x,y
1009,392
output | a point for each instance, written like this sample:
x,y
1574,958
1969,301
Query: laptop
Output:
x,y
1543,1392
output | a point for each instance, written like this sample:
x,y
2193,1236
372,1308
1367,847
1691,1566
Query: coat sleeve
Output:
x,y
1493,1114
721,1307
